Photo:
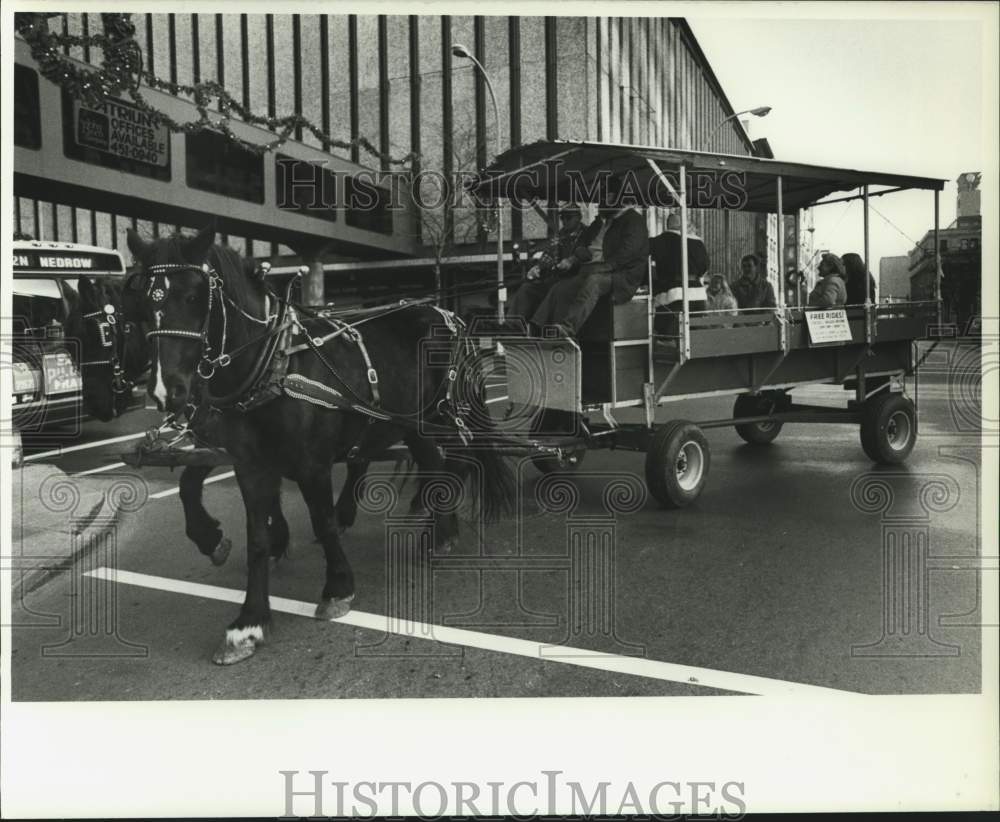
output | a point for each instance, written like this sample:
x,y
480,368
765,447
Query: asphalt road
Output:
x,y
775,581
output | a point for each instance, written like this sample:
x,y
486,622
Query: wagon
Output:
x,y
571,393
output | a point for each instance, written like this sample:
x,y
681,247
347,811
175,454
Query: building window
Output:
x,y
367,205
944,245
305,187
27,109
221,166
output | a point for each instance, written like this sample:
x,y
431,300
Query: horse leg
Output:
x,y
200,526
347,502
338,590
277,530
428,458
260,488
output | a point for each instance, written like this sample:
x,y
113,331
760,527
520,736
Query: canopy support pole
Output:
x,y
868,300
937,257
686,319
782,324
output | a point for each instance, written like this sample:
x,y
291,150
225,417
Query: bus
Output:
x,y
46,385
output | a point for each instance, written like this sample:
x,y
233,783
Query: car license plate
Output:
x,y
27,380
61,376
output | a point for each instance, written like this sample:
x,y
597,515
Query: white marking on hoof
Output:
x,y
221,552
237,636
240,644
329,609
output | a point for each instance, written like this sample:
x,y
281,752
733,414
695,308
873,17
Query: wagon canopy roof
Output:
x,y
564,170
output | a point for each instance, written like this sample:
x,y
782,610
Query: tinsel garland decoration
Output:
x,y
121,72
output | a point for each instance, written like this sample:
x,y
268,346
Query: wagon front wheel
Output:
x,y
677,462
888,428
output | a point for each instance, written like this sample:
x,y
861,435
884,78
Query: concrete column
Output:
x,y
313,284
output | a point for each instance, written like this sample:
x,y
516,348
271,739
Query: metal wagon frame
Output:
x,y
618,361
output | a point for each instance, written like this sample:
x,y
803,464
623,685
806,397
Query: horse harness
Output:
x,y
270,377
113,338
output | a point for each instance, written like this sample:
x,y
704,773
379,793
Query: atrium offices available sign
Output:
x,y
117,134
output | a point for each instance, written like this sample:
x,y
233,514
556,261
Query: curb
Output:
x,y
57,519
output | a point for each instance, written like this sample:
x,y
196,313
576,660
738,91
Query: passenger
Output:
x,y
720,297
857,274
623,268
666,252
830,291
752,290
561,258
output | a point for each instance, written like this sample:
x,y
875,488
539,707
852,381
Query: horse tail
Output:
x,y
496,490
496,494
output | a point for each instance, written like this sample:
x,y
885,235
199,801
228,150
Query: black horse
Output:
x,y
110,352
367,385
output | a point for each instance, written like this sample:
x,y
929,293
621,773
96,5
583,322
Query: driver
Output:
x,y
560,258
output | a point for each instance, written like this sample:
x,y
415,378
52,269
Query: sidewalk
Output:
x,y
57,518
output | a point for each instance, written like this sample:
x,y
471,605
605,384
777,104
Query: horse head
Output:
x,y
196,303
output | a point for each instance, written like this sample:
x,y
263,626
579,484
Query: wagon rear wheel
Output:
x,y
677,463
755,433
888,428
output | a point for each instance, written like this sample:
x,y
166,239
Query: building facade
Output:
x,y
960,247
393,80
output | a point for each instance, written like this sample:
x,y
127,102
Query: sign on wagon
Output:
x,y
828,326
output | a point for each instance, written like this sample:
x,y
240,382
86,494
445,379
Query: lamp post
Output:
x,y
459,50
760,111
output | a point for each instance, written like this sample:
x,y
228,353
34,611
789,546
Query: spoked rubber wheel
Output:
x,y
755,433
677,463
568,460
888,428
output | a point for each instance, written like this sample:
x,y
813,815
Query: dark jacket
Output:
x,y
754,293
665,249
857,276
569,244
829,292
625,248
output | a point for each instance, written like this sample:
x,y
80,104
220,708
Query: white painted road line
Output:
x,y
171,491
100,469
58,452
634,666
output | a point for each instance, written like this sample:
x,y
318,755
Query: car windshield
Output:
x,y
38,317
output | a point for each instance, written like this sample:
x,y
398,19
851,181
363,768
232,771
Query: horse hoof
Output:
x,y
448,545
333,608
239,644
221,552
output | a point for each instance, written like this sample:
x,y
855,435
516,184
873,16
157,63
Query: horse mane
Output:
x,y
228,264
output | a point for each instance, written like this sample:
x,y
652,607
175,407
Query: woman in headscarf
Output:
x,y
858,277
830,290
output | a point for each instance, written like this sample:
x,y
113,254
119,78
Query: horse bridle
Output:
x,y
106,319
207,364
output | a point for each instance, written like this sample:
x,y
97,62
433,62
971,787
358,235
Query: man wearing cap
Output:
x,y
561,258
623,268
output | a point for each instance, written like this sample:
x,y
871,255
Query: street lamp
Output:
x,y
459,50
760,111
